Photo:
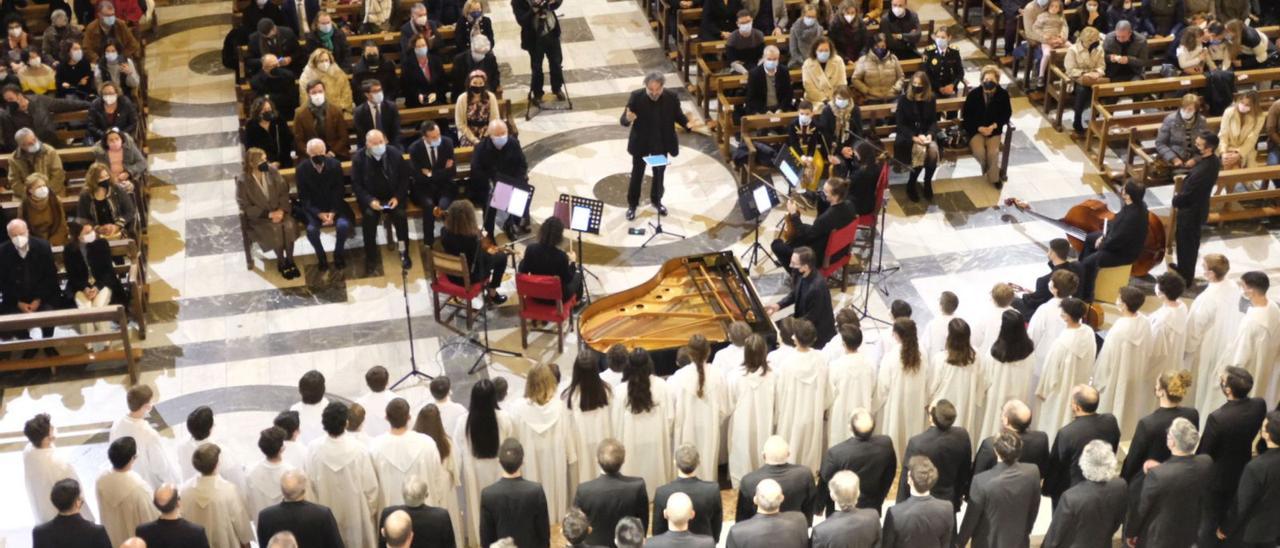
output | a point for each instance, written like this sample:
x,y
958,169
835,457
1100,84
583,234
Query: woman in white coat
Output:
x,y
588,398
480,433
643,422
902,385
751,404
1008,368
955,375
429,422
544,428
701,403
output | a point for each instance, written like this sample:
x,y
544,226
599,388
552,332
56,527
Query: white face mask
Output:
x,y
324,66
112,56
420,20
1188,114
76,56
15,32
842,103
810,21
317,99
848,18
899,11
35,62
744,28
20,242
1243,108
377,97
41,193
109,99
89,238
326,27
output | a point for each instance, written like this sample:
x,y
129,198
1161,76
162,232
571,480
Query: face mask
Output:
x,y
478,56
842,103
475,89
1042,3
269,116
1188,115
420,52
377,97
848,18
36,62
824,56
371,58
41,193
112,56
115,145
745,28
20,242
326,28
771,66
499,141
805,119
435,142
1091,7
420,20
34,148
899,11
1244,109
105,183
324,66
1215,42
109,99
110,20
317,99
942,44
880,52
264,167
378,151
318,161
1092,46
15,32
917,88
261,3
89,238
988,85
477,14
809,21
1128,5
76,56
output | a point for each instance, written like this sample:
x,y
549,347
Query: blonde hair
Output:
x,y
992,70
1088,36
252,158
1175,384
1002,294
540,385
1191,100
1218,264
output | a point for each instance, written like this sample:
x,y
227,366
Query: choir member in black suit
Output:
x,y
1016,418
1257,503
545,257
612,496
867,454
1148,447
810,295
1059,258
69,529
922,521
1228,438
770,525
705,496
1088,425
1004,500
1089,514
513,506
433,176
796,481
1126,235
677,530
948,448
575,526
849,526
1173,494
171,530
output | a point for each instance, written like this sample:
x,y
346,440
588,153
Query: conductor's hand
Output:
x,y
770,310
631,116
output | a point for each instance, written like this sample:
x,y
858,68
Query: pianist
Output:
x,y
809,294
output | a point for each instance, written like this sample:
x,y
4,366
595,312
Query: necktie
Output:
x,y
377,118
432,155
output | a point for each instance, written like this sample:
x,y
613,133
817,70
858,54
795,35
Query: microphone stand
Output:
x,y
414,372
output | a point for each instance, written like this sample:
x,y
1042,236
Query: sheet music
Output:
x,y
581,219
519,201
789,173
761,195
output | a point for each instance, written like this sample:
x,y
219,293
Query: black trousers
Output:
x,y
1012,21
427,198
1083,97
1092,259
25,334
782,251
1188,242
637,180
1212,517
370,218
550,49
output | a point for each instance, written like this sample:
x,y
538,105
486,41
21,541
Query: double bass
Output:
x,y
1091,216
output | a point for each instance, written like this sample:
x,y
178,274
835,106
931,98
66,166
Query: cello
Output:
x,y
1091,216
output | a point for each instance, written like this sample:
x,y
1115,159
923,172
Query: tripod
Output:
x,y
583,272
657,229
880,269
414,372
756,249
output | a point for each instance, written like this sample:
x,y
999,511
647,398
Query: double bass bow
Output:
x,y
1091,216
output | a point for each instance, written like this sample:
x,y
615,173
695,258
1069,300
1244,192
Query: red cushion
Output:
x,y
537,309
442,284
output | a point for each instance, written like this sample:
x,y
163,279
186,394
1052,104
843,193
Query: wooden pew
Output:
x,y
1264,200
69,318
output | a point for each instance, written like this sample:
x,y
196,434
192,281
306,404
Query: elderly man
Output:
x,y
869,455
107,29
217,503
498,156
398,530
1087,425
922,521
1015,417
60,30
283,539
769,526
133,542
277,82
1003,501
1173,493
848,526
611,496
704,496
380,179
652,114
1126,53
321,189
28,279
312,523
69,529
676,517
431,525
32,111
796,481
479,57
124,498
321,119
1090,513
170,530
901,27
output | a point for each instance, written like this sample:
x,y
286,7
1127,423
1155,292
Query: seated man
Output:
x,y
768,86
372,65
377,112
418,24
32,111
497,155
107,29
321,190
902,27
1123,241
320,119
1126,53
743,47
33,156
28,279
433,187
277,82
1059,258
276,40
814,236
380,180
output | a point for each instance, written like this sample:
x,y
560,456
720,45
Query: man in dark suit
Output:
x,y
815,236
513,506
69,529
1064,458
1123,242
277,40
1003,501
431,526
417,23
676,525
769,73
1059,258
575,526
397,530
1228,438
1257,503
380,180
277,82
1016,418
433,176
770,526
612,496
948,448
1192,204
848,526
377,113
170,530
867,454
499,154
810,295
28,278
922,521
312,523
796,481
1173,494
1090,513
652,114
705,496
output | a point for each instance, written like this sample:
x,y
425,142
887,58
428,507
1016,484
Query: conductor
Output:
x,y
652,114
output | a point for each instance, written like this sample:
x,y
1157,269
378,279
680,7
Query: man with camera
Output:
x,y
540,36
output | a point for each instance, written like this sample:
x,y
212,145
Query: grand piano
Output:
x,y
699,294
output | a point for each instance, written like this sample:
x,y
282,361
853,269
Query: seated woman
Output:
x,y
803,35
1192,55
986,114
461,235
473,22
43,212
337,85
878,75
268,131
849,33
822,73
263,197
842,122
1092,14
1085,67
546,258
325,34
118,152
91,275
917,119
105,205
16,41
1177,136
476,107
35,76
320,196
1249,48
111,110
423,80
115,67
1239,131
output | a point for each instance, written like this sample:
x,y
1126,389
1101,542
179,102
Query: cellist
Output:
x,y
836,216
1123,241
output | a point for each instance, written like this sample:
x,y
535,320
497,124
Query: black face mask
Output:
x,y
105,183
372,59
264,167
318,161
917,88
988,85
269,116
476,89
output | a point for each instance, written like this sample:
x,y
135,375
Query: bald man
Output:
x,y
869,455
380,180
770,526
1088,425
171,530
397,530
497,156
678,513
133,542
796,481
313,524
1016,417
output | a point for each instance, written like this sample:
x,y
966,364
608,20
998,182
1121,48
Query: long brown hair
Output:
x,y
927,94
960,352
755,355
429,423
699,351
540,385
905,329
460,219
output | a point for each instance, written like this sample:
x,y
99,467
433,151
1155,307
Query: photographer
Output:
x,y
540,36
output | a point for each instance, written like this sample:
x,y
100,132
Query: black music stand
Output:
x,y
655,160
581,215
512,196
756,200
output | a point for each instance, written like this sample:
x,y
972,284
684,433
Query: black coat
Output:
x,y
979,111
859,528
98,264
341,51
718,16
284,44
276,140
609,498
447,12
707,512
1193,200
69,532
380,179
815,235
311,523
173,533
908,26
1032,301
813,302
1127,233
441,179
1227,437
409,33
679,539
1172,496
25,280
526,17
363,119
757,90
654,130
1035,450
382,70
1064,457
414,81
126,117
872,459
431,526
944,67
913,118
488,161
919,522
515,508
863,184
462,34
1149,439
281,85
950,452
322,191
549,261
798,490
1003,503
1258,501
463,64
1087,515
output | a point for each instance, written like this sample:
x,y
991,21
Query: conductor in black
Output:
x,y
652,114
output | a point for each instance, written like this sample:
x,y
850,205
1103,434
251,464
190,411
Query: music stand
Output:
x,y
512,196
581,215
756,200
655,161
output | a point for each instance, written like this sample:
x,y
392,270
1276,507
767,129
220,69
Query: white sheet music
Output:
x,y
519,201
761,195
581,218
790,174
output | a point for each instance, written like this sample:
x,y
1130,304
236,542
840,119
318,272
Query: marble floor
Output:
x,y
238,339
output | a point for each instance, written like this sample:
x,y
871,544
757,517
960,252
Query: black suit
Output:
x,y
1087,515
515,508
1193,210
757,90
609,498
1035,450
1027,304
707,512
431,526
1064,458
1002,507
323,191
679,539
798,490
872,459
1123,243
283,44
919,522
859,528
813,303
381,180
780,530
1257,502
417,84
487,162
437,189
653,132
1170,508
69,532
389,121
311,523
950,451
30,279
540,43
815,236
1228,438
1149,439
281,85
173,533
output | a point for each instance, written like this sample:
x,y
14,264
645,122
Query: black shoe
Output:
x,y
535,99
928,190
406,262
30,353
291,271
322,262
662,210
339,261
510,231
496,299
560,95
371,265
631,213
51,352
912,193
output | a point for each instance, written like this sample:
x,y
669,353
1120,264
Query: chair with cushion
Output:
x,y
542,299
443,269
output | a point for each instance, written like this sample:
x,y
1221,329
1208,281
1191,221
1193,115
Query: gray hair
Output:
x,y
414,491
22,134
283,539
316,146
480,44
845,488
629,533
57,14
418,7
769,496
504,542
1124,24
770,49
655,76
293,485
687,458
1184,435
1098,461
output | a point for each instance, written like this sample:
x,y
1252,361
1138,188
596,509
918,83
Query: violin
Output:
x,y
1091,216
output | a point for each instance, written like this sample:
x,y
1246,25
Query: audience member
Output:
x,y
35,157
118,69
803,36
74,72
171,530
377,112
68,529
768,85
324,34
321,189
514,507
35,112
312,523
943,65
266,130
373,65
477,56
263,197
319,118
279,84
42,210
475,108
914,145
901,27
380,180
423,80
986,115
106,29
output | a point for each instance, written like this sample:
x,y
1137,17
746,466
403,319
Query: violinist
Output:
x,y
461,235
836,216
1123,242
545,257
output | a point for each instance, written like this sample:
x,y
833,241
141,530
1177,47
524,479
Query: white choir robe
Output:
x,y
987,329
964,386
647,436
903,396
1043,328
728,359
309,427
1168,336
728,362
698,419
1256,349
778,357
342,477
375,412
396,457
262,486
451,503
589,429
804,395
853,385
124,503
294,453
1124,375
613,379
450,412
546,432
476,474
214,504
752,398
934,336
228,466
155,461
1211,328
41,468
1007,381
1069,362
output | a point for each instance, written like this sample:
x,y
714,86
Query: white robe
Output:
x,y
1069,363
375,412
698,420
295,454
477,473
214,504
228,466
124,503
262,486
613,379
1211,328
1007,381
589,429
41,468
804,395
342,477
1256,349
752,398
728,359
1124,375
964,386
987,329
451,503
903,396
451,412
155,462
853,385
934,336
546,432
647,436
1043,328
395,458
309,427
1169,336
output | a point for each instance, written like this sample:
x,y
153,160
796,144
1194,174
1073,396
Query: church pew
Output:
x,y
411,118
1226,206
736,84
1139,156
69,318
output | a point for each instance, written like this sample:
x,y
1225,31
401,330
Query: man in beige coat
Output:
x,y
124,498
33,156
215,504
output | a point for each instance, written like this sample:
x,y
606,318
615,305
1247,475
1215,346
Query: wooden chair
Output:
x,y
440,267
542,299
839,241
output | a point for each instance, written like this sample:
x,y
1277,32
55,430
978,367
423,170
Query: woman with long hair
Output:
x,y
701,405
642,422
461,236
956,376
430,423
588,398
263,197
544,428
1008,368
476,107
545,257
917,119
268,130
902,386
479,434
751,406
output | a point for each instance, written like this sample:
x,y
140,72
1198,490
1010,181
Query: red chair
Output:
x,y
868,222
840,240
440,266
541,299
